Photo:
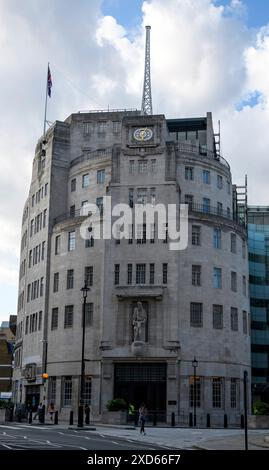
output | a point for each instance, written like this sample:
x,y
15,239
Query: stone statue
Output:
x,y
139,322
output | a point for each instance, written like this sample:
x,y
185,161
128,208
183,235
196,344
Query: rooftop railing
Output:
x,y
204,153
208,209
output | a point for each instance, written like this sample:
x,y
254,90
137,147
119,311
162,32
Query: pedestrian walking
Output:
x,y
143,412
38,411
51,410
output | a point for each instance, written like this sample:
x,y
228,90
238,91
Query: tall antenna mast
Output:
x,y
146,107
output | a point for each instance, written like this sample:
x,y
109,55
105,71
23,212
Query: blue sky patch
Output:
x,y
252,100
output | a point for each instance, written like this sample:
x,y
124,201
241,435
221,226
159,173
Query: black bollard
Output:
x,y
225,421
87,416
173,419
190,420
242,423
80,416
42,415
56,417
154,418
208,420
30,417
71,418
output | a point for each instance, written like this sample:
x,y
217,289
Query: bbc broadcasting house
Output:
x,y
193,303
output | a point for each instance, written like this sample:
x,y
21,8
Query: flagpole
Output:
x,y
46,102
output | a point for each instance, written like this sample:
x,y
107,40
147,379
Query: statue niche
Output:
x,y
139,321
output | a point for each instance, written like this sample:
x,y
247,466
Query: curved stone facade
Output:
x,y
193,302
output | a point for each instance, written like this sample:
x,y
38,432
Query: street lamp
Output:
x,y
194,365
85,289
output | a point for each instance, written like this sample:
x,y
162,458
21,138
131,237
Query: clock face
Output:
x,y
143,134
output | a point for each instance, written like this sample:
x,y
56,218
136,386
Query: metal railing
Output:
x,y
99,153
208,209
198,150
69,215
108,110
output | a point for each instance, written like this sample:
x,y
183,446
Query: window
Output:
x,y
165,273
68,316
195,390
219,182
85,180
130,233
52,390
41,286
206,177
87,393
228,187
40,321
56,282
189,173
71,241
234,319
244,285
131,197
217,317
43,251
116,126
30,259
142,196
233,242
88,274
206,204
116,274
70,279
233,393
219,208
196,314
141,233
129,274
100,204
152,196
217,238
196,235
228,212
217,278
57,244
233,281
153,165
44,218
33,200
101,176
141,274
131,166
54,318
245,323
142,166
67,391
89,242
189,200
88,127
244,249
217,392
196,275
72,211
101,126
88,314
73,185
151,273
27,325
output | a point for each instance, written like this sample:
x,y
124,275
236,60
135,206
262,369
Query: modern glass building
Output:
x,y
258,239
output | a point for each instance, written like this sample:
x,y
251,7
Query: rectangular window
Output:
x,y
30,259
245,323
101,176
131,166
142,196
87,393
57,244
56,282
72,211
67,391
71,241
217,278
89,242
116,274
152,196
219,182
100,204
27,325
234,319
228,187
219,208
52,390
129,274
233,393
218,317
33,200
68,316
43,251
206,177
206,204
54,318
196,314
88,127
73,185
189,173
244,249
85,180
88,274
151,273
233,281
44,218
141,273
142,166
46,189
233,242
194,391
196,235
196,275
217,238
40,321
32,228
41,286
116,126
165,273
189,200
244,285
141,233
153,165
70,279
131,197
217,392
88,314
101,126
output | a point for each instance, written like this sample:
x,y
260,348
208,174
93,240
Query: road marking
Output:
x,y
10,427
115,442
4,445
32,427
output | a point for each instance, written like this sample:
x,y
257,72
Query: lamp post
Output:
x,y
194,365
85,289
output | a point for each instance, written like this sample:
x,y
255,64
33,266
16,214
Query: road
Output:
x,y
29,437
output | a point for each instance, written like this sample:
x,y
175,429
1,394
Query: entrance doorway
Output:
x,y
32,396
138,383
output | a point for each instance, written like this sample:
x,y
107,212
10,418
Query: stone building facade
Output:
x,y
194,302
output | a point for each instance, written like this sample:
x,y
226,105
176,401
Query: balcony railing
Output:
x,y
107,152
208,209
204,153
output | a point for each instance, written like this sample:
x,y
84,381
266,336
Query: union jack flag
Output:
x,y
49,82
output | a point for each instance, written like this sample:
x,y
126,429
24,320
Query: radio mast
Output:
x,y
146,107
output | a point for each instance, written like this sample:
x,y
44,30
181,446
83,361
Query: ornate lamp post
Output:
x,y
194,365
85,289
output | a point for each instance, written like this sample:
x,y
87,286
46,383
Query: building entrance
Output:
x,y
33,396
138,383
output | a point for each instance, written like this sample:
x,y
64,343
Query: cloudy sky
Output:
x,y
206,56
